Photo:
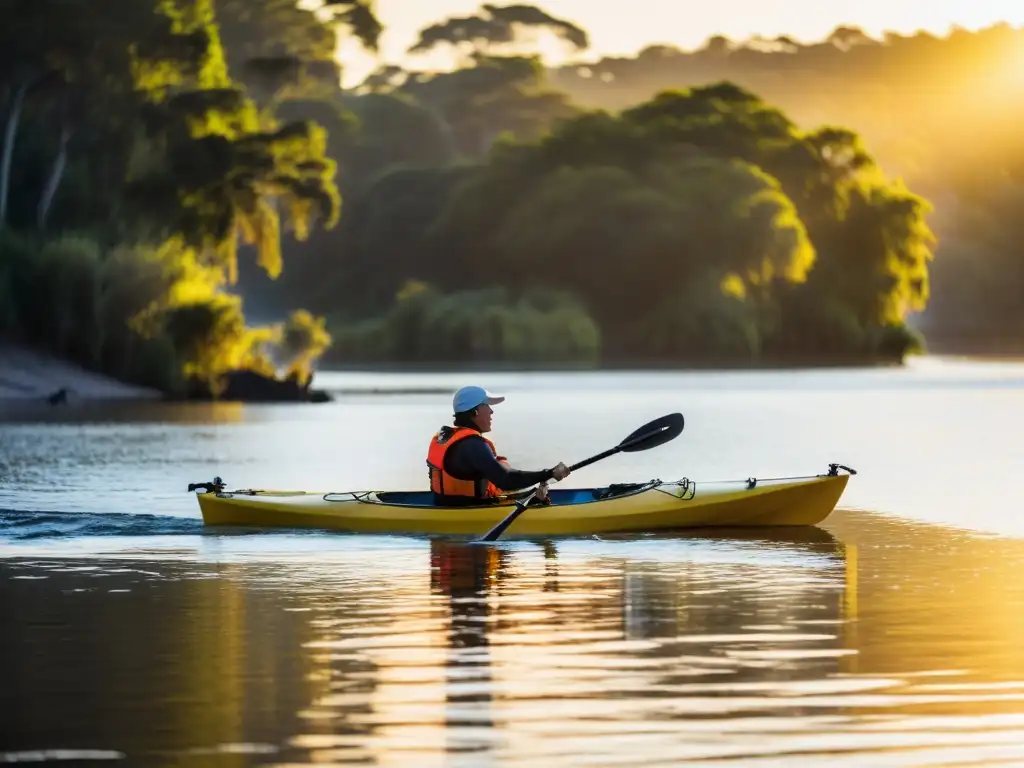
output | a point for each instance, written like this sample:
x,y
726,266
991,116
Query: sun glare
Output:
x,y
999,77
1013,66
553,50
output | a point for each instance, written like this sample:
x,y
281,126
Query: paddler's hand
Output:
x,y
560,471
542,492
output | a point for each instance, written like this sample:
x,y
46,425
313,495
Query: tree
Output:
x,y
138,138
111,54
301,340
371,137
272,42
498,95
500,88
942,113
496,27
380,256
392,129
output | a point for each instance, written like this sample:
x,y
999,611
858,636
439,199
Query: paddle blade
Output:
x,y
653,434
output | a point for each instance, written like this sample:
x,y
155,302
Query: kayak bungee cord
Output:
x,y
690,486
360,496
833,471
687,486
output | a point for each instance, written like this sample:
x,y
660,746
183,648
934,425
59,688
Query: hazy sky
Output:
x,y
617,27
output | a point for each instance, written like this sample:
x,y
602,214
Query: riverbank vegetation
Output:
x,y
169,169
701,224
132,167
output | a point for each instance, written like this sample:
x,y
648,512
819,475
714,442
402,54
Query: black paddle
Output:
x,y
651,435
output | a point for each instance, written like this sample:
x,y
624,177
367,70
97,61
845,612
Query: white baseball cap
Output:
x,y
468,398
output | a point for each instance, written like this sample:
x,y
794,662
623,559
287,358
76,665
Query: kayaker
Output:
x,y
464,466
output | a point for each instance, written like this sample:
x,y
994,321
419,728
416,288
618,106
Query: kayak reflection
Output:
x,y
466,573
740,608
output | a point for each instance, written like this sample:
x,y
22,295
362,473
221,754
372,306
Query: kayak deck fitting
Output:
x,y
617,508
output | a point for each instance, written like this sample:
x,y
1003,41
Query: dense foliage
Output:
x,y
484,326
700,225
694,225
131,168
942,112
736,204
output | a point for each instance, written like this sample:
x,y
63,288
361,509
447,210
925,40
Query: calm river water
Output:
x,y
891,635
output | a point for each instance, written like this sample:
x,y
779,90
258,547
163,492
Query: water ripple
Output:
x,y
337,649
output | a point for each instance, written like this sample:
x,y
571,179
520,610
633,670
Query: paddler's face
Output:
x,y
483,417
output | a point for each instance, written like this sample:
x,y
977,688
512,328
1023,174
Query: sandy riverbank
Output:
x,y
26,374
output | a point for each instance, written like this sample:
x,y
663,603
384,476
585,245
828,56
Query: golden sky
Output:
x,y
688,23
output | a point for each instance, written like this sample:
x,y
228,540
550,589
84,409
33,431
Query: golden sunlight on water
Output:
x,y
892,641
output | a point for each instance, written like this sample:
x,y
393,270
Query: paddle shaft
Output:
x,y
611,451
500,528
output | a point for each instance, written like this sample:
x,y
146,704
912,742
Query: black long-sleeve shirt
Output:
x,y
471,459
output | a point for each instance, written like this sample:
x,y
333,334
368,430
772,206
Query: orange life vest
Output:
x,y
446,485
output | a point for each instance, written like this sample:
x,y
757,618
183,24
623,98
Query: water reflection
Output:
x,y
464,575
875,640
126,412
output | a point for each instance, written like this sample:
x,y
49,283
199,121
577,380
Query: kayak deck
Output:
x,y
621,508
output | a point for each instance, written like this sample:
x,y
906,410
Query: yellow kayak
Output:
x,y
622,508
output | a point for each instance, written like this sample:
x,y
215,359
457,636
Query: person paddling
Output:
x,y
465,468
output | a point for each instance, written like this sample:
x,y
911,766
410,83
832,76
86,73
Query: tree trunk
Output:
x,y
13,118
56,174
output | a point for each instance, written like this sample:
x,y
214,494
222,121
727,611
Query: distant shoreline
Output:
x,y
29,375
636,366
967,348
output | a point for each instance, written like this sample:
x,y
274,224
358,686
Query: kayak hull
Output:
x,y
647,507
